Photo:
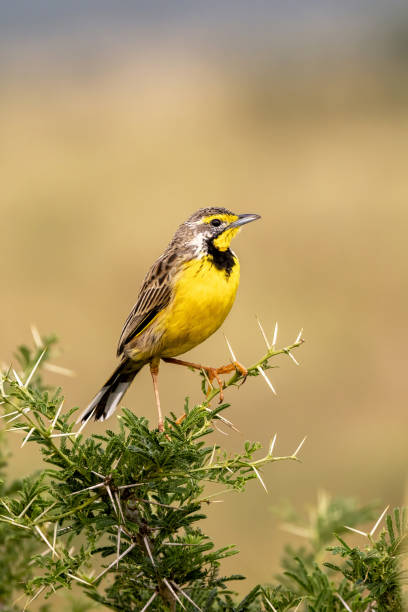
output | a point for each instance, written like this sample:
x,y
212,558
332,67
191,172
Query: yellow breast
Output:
x,y
203,296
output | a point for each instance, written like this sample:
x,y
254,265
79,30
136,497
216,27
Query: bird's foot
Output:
x,y
213,373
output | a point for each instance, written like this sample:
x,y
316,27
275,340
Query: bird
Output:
x,y
185,297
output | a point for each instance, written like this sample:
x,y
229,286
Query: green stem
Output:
x,y
237,376
88,502
242,464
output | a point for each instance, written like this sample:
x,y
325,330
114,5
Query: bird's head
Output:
x,y
215,226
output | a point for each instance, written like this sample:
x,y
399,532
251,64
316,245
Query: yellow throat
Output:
x,y
222,243
203,297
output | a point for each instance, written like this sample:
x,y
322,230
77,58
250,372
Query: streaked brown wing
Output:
x,y
153,297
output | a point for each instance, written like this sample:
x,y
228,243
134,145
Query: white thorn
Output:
x,y
149,602
46,541
116,462
51,367
149,552
379,521
292,358
186,596
138,484
37,518
5,505
27,437
35,597
207,379
275,335
107,487
78,579
20,412
22,513
268,382
224,433
155,503
299,336
172,591
268,346
4,416
271,606
299,447
54,538
18,379
98,474
57,415
356,531
259,477
85,422
230,349
44,552
113,562
227,422
100,484
119,506
272,444
118,545
36,336
345,604
212,455
298,606
27,382
6,519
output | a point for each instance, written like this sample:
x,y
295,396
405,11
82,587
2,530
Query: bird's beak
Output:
x,y
242,219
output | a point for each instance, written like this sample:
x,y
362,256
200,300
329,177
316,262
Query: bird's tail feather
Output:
x,y
107,399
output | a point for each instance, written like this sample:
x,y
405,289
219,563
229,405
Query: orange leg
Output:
x,y
212,373
235,365
154,370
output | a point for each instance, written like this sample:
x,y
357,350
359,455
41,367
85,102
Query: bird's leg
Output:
x,y
212,372
154,370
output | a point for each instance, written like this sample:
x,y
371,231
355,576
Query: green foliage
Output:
x,y
126,505
363,578
14,570
378,567
328,517
120,515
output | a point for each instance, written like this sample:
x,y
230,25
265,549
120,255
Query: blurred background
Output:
x,y
118,120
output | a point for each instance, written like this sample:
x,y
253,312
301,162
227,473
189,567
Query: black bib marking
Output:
x,y
222,260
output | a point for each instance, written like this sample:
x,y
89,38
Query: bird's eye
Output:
x,y
216,222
